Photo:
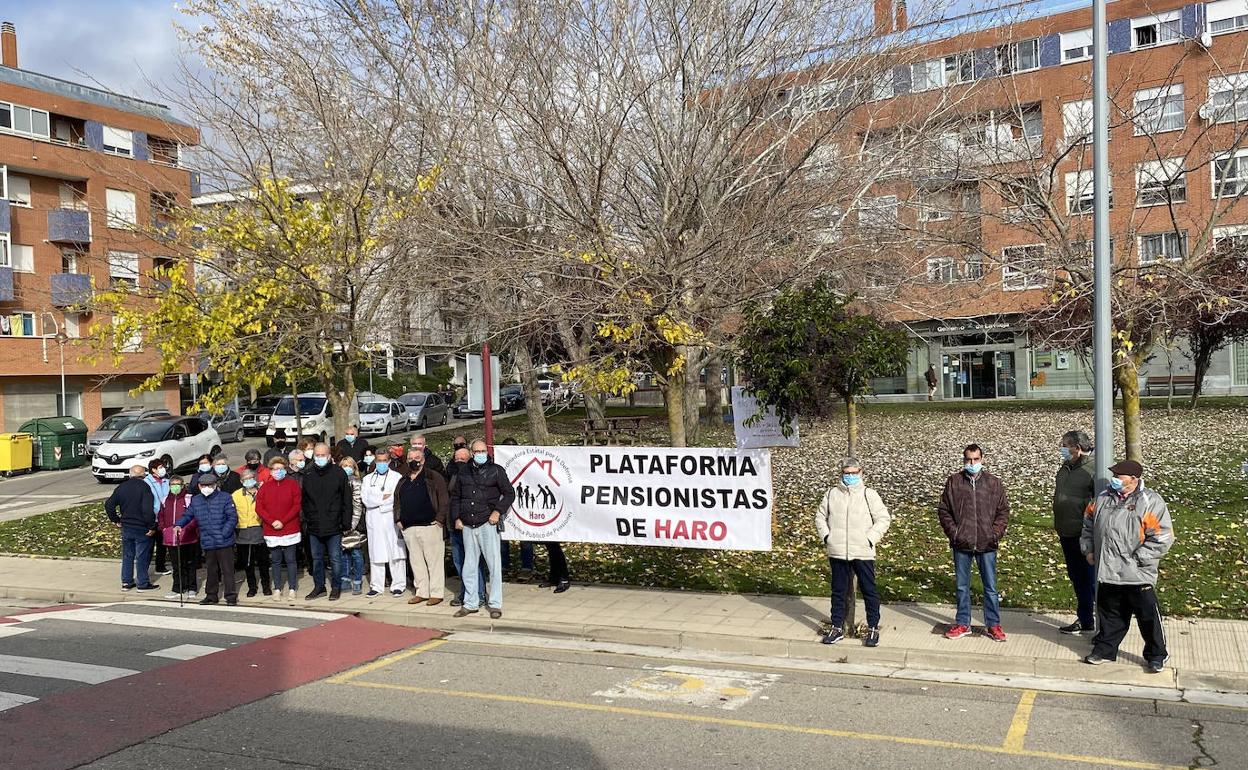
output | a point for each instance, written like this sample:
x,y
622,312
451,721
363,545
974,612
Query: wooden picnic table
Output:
x,y
612,429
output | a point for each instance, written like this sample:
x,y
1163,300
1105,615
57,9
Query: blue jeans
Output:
x,y
483,541
136,551
987,564
526,555
321,544
457,558
284,557
353,568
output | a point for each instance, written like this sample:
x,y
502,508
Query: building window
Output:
x,y
121,209
1226,16
1077,45
23,258
1022,267
935,206
118,141
1159,182
1157,247
1230,174
878,212
71,326
1156,30
73,195
941,270
1018,57
1159,109
69,261
162,150
822,162
27,121
18,324
973,267
1228,99
959,68
926,75
1079,192
1077,121
19,190
4,250
123,269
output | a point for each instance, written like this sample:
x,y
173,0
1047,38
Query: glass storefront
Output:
x,y
979,374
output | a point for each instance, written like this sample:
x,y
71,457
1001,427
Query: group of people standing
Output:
x,y
336,510
1112,544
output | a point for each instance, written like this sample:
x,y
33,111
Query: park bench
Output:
x,y
611,429
1170,384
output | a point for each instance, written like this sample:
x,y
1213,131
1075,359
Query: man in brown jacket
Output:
x,y
421,508
974,513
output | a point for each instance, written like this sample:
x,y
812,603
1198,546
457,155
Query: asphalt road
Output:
x,y
473,704
44,491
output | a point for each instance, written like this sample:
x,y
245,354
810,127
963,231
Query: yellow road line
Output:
x,y
347,676
1018,726
775,727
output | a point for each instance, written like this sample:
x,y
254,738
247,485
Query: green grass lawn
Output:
x,y
1192,457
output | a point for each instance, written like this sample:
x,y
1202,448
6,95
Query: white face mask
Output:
x,y
207,491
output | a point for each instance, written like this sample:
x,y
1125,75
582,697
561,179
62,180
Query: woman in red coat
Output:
x,y
278,504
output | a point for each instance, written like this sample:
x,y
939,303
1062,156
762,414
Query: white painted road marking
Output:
x,y
13,630
47,668
10,699
164,623
275,611
185,651
701,687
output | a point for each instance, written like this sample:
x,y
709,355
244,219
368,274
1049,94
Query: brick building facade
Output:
x,y
85,176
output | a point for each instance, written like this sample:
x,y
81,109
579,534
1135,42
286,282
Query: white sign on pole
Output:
x,y
688,498
476,402
767,432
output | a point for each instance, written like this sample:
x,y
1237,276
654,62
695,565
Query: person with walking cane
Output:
x,y
185,546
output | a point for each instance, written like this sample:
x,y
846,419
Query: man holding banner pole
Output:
x,y
481,495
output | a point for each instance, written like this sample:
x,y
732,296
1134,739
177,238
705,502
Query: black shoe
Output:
x,y
334,594
873,637
833,636
1155,666
251,593
563,586
496,614
1096,660
232,602
149,587
267,592
1076,628
316,594
208,600
127,586
457,602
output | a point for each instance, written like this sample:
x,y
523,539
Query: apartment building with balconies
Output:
x,y
87,178
1018,150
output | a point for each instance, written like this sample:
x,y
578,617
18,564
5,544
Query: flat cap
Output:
x,y
1127,468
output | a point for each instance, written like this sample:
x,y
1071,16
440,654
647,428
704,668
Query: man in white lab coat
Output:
x,y
385,544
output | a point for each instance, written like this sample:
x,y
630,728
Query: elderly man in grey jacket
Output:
x,y
1126,531
851,520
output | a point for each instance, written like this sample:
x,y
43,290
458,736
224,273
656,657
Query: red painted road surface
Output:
x,y
72,728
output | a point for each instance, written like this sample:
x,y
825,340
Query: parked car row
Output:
x,y
179,441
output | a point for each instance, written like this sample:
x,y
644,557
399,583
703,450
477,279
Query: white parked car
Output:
x,y
316,418
377,418
179,441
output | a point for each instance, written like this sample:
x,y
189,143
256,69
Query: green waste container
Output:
x,y
60,442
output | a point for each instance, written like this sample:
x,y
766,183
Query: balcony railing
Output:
x,y
70,289
69,226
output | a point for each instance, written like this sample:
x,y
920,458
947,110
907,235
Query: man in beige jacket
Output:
x,y
851,520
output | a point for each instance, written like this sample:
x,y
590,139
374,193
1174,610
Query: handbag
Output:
x,y
354,540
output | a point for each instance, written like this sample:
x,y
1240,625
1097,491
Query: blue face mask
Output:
x,y
481,458
973,468
279,473
383,466
204,467
350,439
850,479
221,469
249,483
299,465
1066,454
321,462
350,471
1115,483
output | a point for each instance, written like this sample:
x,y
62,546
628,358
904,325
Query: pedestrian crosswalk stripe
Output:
x,y
164,623
9,700
47,668
13,630
185,651
247,608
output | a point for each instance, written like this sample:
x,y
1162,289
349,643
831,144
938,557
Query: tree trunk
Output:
x,y
714,392
851,426
690,395
341,401
539,433
595,408
1129,383
1202,359
673,386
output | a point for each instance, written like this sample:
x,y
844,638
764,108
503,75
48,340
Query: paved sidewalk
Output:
x,y
1207,656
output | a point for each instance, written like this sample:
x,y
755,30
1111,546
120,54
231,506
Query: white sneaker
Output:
x,y
192,594
290,594
173,595
277,596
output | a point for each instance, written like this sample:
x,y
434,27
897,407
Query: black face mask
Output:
x,y
461,446
414,464
253,466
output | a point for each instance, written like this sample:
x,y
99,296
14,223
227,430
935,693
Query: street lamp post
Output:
x,y
61,339
1102,355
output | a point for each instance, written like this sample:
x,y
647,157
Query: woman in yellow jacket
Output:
x,y
253,554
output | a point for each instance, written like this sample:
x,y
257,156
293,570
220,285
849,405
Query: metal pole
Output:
x,y
1102,355
60,343
487,391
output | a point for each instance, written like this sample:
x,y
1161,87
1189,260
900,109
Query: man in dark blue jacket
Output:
x,y
214,510
132,507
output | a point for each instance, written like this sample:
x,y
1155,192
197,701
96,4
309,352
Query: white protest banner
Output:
x,y
689,498
767,432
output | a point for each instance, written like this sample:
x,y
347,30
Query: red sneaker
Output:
x,y
957,632
995,633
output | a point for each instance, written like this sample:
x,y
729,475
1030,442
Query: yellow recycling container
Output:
x,y
16,453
